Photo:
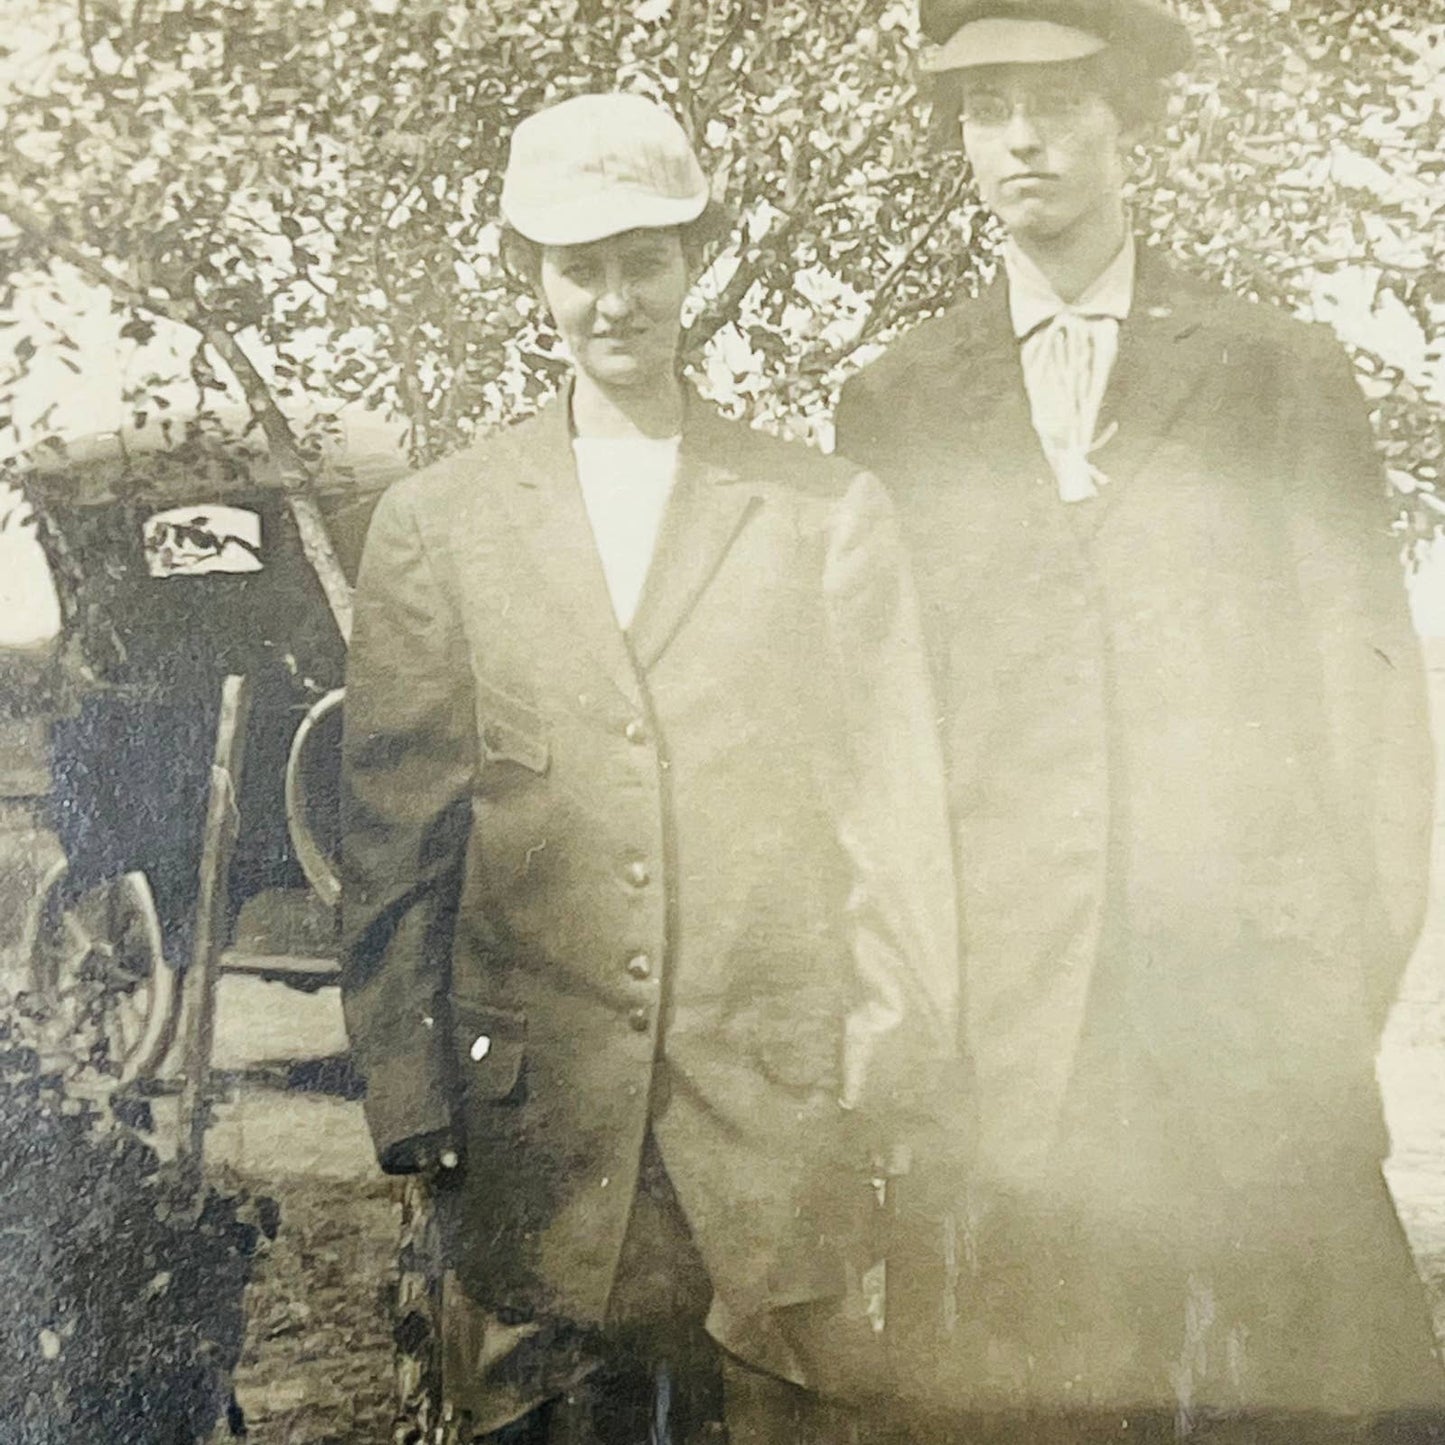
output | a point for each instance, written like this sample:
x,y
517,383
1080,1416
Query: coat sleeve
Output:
x,y
860,430
1352,585
901,1035
408,758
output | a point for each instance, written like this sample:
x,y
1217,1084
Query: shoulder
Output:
x,y
471,477
1258,328
791,470
437,486
924,350
429,490
811,495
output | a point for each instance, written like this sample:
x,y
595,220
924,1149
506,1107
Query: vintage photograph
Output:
x,y
716,722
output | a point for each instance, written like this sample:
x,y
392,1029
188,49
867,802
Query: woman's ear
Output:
x,y
521,258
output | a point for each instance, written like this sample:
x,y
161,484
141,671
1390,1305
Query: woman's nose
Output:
x,y
616,298
1021,132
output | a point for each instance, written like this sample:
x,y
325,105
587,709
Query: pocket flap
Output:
x,y
490,1047
512,731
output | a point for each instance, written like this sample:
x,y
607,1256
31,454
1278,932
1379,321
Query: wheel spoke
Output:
x,y
99,963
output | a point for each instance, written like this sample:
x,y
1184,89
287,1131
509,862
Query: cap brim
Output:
x,y
582,219
1002,40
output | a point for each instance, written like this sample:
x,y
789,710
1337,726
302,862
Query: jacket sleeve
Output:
x,y
1352,584
408,758
901,1035
860,431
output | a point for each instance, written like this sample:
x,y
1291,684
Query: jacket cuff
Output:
x,y
419,1154
406,1104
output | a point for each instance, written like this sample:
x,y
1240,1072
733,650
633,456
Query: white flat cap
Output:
x,y
597,165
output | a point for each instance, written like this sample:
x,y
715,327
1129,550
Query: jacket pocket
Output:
x,y
491,1051
511,730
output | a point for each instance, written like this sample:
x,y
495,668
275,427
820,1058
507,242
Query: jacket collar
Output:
x,y
709,506
1163,351
1033,303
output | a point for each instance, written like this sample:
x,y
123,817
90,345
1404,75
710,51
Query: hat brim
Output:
x,y
1004,40
583,219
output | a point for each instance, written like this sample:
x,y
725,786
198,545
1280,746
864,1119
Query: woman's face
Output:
x,y
618,305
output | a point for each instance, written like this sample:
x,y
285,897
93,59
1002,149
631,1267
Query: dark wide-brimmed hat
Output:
x,y
967,33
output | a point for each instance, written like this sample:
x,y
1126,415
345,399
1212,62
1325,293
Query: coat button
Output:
x,y
638,1018
639,966
635,731
637,873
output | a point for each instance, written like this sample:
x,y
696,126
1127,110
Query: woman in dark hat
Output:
x,y
648,912
1190,767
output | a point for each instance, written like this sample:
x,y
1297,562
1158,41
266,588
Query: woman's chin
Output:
x,y
621,370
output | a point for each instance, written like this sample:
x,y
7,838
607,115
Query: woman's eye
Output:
x,y
641,263
988,107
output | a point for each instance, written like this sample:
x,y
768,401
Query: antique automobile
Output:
x,y
193,720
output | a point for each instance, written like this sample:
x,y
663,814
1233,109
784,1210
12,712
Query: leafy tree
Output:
x,y
308,190
291,204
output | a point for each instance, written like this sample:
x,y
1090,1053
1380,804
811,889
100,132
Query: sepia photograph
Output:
x,y
719,722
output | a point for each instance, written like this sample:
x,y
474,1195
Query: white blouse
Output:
x,y
626,482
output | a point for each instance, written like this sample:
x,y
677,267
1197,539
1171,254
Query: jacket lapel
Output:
x,y
550,520
1164,351
1164,354
993,403
710,505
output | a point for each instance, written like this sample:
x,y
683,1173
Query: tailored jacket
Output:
x,y
1190,780
694,877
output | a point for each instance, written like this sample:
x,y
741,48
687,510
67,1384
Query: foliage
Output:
x,y
122,1286
311,189
1307,155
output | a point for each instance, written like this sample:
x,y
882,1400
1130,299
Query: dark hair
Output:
x,y
522,256
1117,76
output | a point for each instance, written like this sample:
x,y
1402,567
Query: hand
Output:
x,y
437,1155
893,1161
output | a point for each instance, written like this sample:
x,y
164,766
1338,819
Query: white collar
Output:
x,y
1032,301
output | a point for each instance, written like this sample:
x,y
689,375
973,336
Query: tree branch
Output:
x,y
719,59
895,272
280,439
682,26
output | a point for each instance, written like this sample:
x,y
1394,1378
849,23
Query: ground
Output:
x,y
317,1365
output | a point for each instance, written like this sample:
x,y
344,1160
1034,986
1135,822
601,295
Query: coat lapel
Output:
x,y
1164,352
550,520
709,507
993,404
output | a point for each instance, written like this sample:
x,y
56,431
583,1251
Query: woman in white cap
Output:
x,y
648,922
1190,766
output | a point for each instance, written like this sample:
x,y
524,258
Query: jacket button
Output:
x,y
635,731
639,966
638,1019
637,873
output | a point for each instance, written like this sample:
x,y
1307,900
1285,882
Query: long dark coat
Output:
x,y
1191,785
694,876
